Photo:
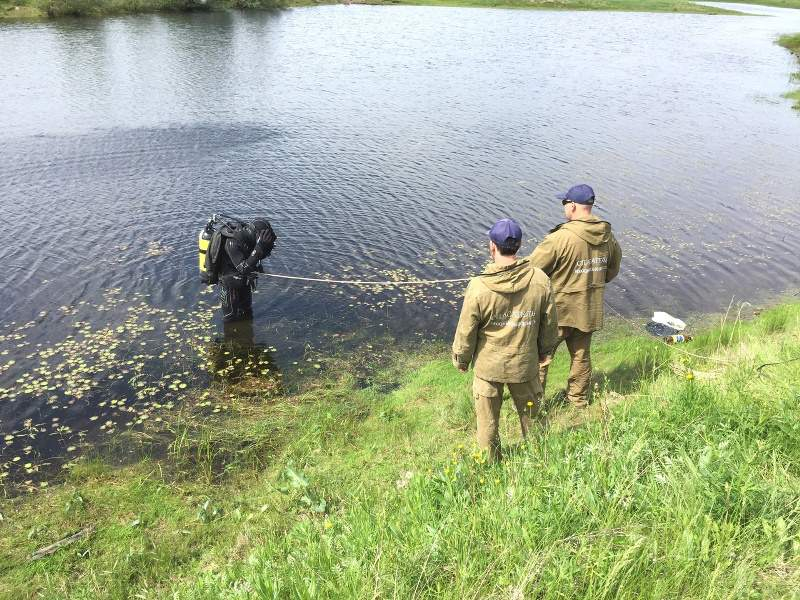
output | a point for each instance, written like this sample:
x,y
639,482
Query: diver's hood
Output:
x,y
261,225
244,234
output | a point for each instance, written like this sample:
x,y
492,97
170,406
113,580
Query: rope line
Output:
x,y
394,282
460,280
355,282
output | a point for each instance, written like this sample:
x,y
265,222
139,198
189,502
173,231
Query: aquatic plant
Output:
x,y
123,362
100,377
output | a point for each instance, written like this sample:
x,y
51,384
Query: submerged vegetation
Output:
x,y
792,44
123,361
681,479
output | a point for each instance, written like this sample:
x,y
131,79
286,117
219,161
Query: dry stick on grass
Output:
x,y
758,370
53,548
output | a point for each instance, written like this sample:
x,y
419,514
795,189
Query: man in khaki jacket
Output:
x,y
508,323
580,257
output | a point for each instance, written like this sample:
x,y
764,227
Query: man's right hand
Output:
x,y
259,251
266,242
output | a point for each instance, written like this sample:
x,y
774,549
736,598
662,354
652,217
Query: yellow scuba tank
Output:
x,y
203,243
210,242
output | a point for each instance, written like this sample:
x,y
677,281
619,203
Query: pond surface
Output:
x,y
381,142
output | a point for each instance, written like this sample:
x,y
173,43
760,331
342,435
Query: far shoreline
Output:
x,y
17,11
792,44
47,10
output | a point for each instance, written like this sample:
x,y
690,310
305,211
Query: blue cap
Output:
x,y
579,194
506,233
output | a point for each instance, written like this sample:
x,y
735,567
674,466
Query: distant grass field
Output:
x,y
31,9
682,480
27,9
684,6
40,9
777,3
792,44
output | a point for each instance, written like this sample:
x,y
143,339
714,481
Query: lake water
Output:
x,y
381,142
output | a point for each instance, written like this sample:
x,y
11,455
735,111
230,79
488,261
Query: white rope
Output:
x,y
462,279
352,282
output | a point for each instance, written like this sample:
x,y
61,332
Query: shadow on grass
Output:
x,y
620,368
629,374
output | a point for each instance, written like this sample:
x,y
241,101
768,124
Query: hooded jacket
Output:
x,y
580,257
508,319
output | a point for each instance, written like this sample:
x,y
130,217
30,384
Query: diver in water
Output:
x,y
241,260
231,256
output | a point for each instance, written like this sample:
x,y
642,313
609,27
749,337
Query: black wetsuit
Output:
x,y
238,260
237,279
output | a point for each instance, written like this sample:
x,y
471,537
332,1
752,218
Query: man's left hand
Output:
x,y
458,365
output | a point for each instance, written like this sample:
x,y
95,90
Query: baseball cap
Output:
x,y
506,233
579,194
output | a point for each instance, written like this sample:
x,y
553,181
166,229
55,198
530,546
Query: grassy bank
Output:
x,y
40,9
43,9
792,44
681,480
776,3
683,6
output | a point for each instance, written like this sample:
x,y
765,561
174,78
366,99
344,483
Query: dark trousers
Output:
x,y
580,371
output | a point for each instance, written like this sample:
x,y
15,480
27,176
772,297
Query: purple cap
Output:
x,y
506,233
579,194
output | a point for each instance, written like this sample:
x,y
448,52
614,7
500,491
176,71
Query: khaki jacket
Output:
x,y
508,319
580,257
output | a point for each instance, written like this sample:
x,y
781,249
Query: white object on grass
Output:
x,y
668,320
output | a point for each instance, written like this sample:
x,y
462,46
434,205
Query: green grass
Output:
x,y
19,10
27,9
38,9
683,6
93,8
777,3
682,480
792,44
